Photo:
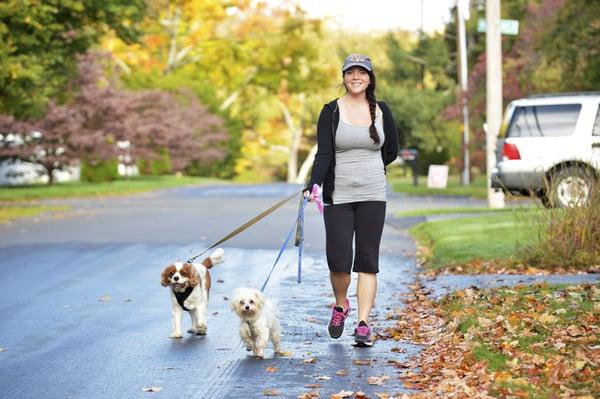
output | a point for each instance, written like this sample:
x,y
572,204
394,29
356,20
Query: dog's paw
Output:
x,y
259,354
176,335
201,330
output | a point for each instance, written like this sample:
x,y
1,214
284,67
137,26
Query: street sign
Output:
x,y
507,26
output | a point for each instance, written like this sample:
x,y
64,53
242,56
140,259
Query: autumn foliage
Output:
x,y
520,342
100,114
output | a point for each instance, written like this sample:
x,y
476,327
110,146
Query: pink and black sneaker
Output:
x,y
362,335
338,316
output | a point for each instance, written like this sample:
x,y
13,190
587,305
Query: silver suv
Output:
x,y
549,146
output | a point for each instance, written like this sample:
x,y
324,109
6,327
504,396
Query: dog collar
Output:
x,y
182,296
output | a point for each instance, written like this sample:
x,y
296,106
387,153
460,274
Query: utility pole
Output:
x,y
493,94
462,11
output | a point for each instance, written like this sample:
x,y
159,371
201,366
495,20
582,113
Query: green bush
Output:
x,y
157,166
99,171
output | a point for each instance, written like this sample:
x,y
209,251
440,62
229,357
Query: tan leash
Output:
x,y
249,223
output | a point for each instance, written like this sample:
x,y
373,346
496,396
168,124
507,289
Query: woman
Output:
x,y
357,138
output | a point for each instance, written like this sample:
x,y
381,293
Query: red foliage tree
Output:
x,y
101,114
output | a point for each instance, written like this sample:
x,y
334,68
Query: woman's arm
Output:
x,y
391,135
324,149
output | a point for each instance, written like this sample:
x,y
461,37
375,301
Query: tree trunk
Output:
x,y
303,172
50,173
296,139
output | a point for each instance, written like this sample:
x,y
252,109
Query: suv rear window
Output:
x,y
544,120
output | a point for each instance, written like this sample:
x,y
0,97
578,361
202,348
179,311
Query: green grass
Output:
x,y
477,188
8,213
448,211
79,189
484,237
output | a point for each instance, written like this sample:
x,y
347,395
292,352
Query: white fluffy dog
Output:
x,y
259,320
190,287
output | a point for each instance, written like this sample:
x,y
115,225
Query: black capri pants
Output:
x,y
361,222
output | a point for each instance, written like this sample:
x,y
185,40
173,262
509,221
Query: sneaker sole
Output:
x,y
363,344
333,336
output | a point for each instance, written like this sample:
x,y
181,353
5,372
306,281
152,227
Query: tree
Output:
x,y
40,39
101,114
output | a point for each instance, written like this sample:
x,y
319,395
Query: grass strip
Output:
x,y
446,242
404,185
449,211
9,213
80,189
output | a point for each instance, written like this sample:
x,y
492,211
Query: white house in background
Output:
x,y
17,172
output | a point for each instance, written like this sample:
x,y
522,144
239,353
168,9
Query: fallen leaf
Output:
x,y
378,380
383,395
574,331
362,362
309,360
285,353
547,318
341,372
272,369
323,378
271,392
310,395
104,298
152,389
313,385
360,395
342,394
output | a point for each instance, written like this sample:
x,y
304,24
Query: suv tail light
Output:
x,y
510,151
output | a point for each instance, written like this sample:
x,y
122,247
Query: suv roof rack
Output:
x,y
566,94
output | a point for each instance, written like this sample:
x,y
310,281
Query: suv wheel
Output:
x,y
570,187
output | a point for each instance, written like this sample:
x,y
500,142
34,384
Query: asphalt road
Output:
x,y
84,316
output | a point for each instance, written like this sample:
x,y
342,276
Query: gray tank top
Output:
x,y
359,169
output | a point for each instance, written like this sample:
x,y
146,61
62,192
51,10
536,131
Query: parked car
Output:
x,y
549,146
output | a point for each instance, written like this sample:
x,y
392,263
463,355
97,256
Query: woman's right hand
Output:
x,y
308,194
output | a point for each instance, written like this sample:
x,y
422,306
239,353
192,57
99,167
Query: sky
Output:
x,y
367,15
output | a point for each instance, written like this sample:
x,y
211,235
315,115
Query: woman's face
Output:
x,y
356,80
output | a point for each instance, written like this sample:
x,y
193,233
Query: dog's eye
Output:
x,y
251,301
241,302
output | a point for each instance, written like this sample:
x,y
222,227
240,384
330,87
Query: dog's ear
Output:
x,y
166,275
259,299
191,273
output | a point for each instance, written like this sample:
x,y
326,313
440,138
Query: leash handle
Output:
x,y
249,223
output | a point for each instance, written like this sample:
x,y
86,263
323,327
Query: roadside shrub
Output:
x,y
564,237
158,166
99,171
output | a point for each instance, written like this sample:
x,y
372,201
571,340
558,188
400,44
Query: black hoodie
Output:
x,y
324,164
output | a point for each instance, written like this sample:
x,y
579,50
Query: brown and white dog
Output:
x,y
189,287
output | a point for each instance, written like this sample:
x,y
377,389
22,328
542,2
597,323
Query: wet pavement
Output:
x,y
83,313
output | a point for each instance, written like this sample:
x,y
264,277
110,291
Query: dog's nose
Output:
x,y
247,307
176,278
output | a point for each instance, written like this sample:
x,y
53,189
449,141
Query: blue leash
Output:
x,y
299,227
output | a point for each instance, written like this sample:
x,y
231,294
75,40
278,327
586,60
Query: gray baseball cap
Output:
x,y
360,60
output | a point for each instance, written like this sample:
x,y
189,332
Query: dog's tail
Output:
x,y
214,258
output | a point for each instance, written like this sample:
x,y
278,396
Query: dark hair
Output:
x,y
372,100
